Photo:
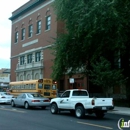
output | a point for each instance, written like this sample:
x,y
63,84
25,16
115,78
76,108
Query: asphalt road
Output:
x,y
18,118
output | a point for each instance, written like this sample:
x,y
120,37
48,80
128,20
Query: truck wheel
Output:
x,y
12,104
79,112
26,105
54,108
99,114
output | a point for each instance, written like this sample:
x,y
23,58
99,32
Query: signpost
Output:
x,y
71,80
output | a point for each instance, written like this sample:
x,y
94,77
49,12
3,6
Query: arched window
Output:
x,y
28,77
16,35
30,28
38,31
23,32
36,76
21,77
48,20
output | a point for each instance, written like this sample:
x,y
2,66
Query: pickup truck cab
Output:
x,y
78,102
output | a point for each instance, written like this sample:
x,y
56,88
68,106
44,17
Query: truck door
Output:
x,y
64,101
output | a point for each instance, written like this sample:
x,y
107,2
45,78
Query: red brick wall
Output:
x,y
48,62
44,39
14,62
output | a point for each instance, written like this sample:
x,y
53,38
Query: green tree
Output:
x,y
102,75
94,28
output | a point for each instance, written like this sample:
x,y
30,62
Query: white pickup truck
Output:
x,y
78,102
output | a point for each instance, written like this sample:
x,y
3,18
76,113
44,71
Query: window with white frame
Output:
x,y
29,58
37,56
48,22
39,27
23,34
30,30
22,60
16,37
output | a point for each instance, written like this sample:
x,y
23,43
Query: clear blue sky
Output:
x,y
6,9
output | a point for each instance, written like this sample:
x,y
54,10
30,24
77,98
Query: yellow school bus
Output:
x,y
47,87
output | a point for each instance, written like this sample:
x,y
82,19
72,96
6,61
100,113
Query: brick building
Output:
x,y
34,26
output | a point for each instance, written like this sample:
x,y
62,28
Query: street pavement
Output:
x,y
121,110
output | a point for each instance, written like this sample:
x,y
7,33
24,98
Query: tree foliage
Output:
x,y
94,28
102,75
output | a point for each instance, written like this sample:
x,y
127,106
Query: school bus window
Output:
x,y
46,86
54,87
40,86
46,93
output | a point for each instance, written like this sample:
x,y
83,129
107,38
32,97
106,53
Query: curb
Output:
x,y
119,112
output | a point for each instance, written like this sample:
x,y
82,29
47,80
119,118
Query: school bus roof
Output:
x,y
23,82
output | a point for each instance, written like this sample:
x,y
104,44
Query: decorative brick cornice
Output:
x,y
26,9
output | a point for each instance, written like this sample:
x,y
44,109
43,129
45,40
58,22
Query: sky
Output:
x,y
6,9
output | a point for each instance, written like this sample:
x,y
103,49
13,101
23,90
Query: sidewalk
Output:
x,y
121,111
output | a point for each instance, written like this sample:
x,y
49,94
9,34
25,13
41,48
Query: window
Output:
x,y
33,95
23,34
24,96
37,56
16,37
47,86
48,22
29,58
20,96
66,94
54,87
80,93
21,60
39,27
40,85
30,30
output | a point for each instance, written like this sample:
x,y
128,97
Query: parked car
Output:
x,y
30,100
5,97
